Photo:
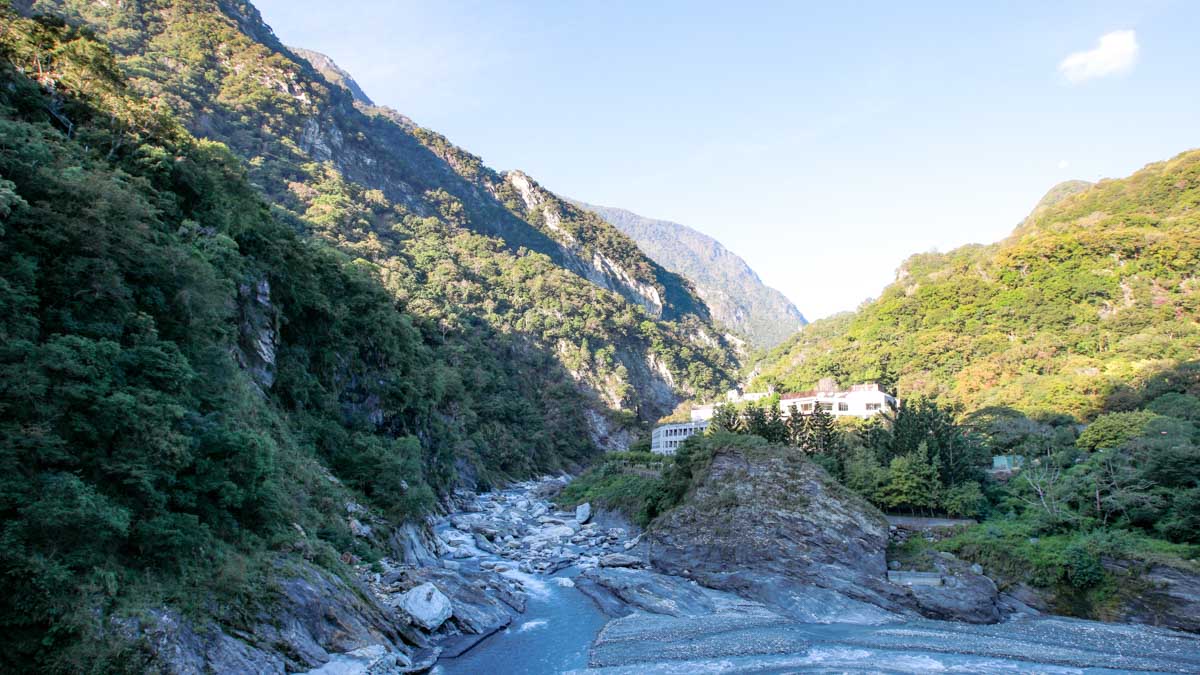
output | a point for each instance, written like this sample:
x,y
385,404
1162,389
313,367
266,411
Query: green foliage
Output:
x,y
1092,295
1177,405
615,485
965,500
1114,430
912,482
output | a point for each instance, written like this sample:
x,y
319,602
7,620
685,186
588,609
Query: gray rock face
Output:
x,y
772,527
619,560
1166,596
427,606
619,592
583,512
258,330
314,616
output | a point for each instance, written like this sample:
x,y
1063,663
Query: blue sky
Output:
x,y
822,142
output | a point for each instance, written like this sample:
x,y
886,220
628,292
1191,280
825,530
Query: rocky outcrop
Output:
x,y
770,526
258,331
312,616
620,592
1166,596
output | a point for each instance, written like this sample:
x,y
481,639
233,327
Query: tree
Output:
x,y
912,482
1114,429
726,418
864,474
797,424
923,422
775,429
823,436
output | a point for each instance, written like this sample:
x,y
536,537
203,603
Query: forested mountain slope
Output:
x,y
201,375
738,299
477,253
1097,290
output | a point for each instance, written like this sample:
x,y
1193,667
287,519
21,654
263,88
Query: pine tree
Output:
x,y
823,437
797,427
776,429
726,418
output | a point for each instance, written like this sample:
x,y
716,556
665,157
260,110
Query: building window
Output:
x,y
843,407
806,407
827,407
874,406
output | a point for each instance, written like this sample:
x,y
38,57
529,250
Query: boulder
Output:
x,y
583,512
771,526
619,560
426,605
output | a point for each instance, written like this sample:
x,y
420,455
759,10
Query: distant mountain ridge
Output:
x,y
729,286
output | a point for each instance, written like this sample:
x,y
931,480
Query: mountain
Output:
x,y
737,297
333,73
461,245
256,331
1094,293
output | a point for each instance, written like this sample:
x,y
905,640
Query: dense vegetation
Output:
x,y
456,242
1126,487
737,297
1094,294
191,391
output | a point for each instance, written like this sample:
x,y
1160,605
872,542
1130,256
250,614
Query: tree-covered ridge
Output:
x,y
191,393
593,247
1094,293
321,159
737,297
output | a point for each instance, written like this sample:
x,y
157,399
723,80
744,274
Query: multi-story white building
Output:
x,y
666,438
860,400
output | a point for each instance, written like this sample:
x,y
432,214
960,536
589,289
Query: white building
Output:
x,y
860,400
666,439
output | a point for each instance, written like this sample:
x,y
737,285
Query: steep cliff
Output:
x,y
737,297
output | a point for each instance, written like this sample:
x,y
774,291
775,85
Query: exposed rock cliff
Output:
x,y
736,295
771,526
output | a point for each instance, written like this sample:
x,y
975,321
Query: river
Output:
x,y
562,630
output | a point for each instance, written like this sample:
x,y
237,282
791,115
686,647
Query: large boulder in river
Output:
x,y
769,525
583,512
426,605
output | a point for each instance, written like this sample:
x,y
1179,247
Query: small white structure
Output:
x,y
666,438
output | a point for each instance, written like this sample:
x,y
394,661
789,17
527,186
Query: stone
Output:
x,y
894,565
358,529
976,569
364,661
583,512
619,560
618,592
427,606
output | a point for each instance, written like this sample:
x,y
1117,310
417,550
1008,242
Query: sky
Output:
x,y
823,142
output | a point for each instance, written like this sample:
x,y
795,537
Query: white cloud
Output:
x,y
1062,164
1116,52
